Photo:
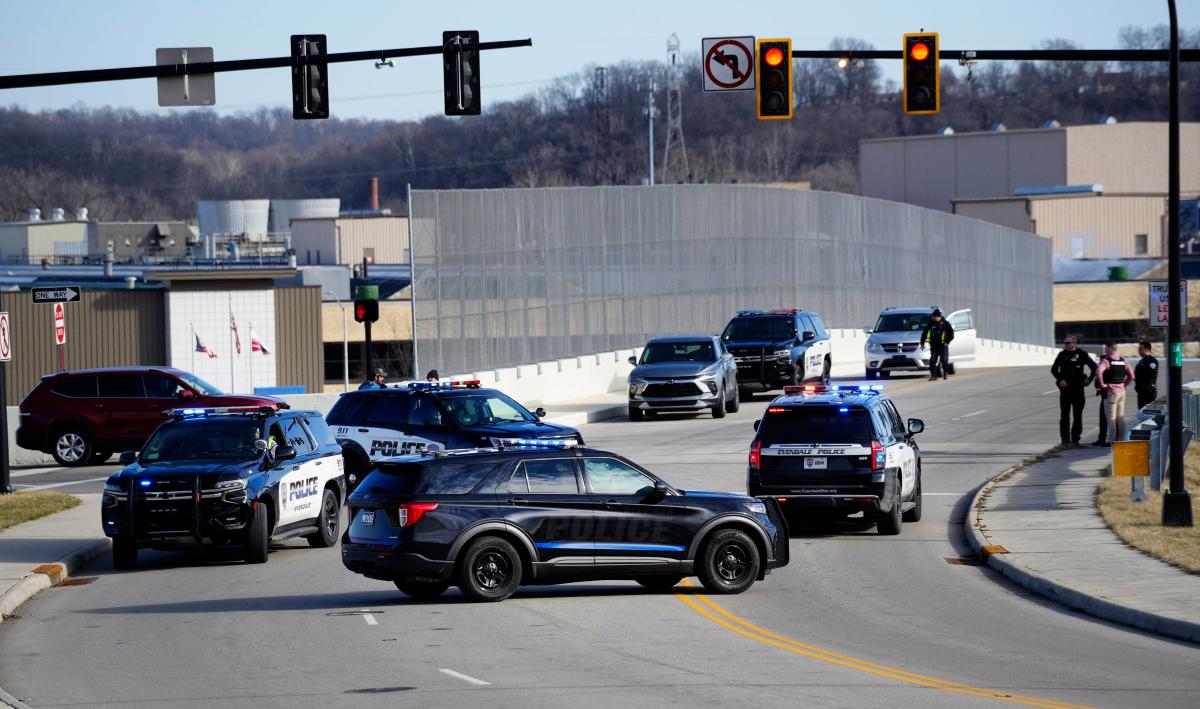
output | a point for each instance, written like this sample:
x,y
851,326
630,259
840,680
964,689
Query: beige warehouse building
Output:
x,y
348,240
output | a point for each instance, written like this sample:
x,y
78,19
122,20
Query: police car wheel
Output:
x,y
659,583
736,404
729,562
422,590
124,553
718,411
328,522
490,570
636,414
888,523
914,514
255,546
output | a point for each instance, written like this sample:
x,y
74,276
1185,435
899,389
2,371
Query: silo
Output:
x,y
235,216
283,211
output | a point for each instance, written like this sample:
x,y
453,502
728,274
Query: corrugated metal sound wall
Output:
x,y
505,277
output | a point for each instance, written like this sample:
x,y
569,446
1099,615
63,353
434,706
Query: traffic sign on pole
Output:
x,y
60,324
1160,307
728,63
56,294
5,339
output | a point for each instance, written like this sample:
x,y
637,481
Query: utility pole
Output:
x,y
1177,503
650,112
602,142
674,111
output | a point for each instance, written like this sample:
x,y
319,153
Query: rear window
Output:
x,y
817,424
347,411
78,387
425,479
773,329
320,431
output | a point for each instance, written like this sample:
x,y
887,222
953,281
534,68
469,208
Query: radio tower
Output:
x,y
602,159
674,113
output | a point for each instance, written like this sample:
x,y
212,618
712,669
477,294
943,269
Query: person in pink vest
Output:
x,y
1114,374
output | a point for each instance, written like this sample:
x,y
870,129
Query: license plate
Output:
x,y
816,463
367,518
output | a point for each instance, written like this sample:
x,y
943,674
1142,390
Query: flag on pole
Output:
x,y
237,339
256,345
204,350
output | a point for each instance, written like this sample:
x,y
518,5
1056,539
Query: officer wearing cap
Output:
x,y
1073,370
376,381
938,333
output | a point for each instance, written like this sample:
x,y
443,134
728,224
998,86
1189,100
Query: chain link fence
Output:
x,y
506,277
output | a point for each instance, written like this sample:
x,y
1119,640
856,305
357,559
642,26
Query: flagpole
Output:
x,y
250,329
192,326
232,352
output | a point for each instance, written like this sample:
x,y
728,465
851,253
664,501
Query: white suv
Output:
x,y
894,343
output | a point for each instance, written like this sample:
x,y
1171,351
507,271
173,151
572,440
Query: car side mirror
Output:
x,y
128,457
808,335
915,426
186,394
756,423
868,330
661,490
633,360
539,412
283,453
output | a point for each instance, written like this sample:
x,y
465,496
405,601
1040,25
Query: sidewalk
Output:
x,y
40,554
1053,541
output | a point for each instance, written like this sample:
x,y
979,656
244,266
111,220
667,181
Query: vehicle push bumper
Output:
x,y
182,515
763,371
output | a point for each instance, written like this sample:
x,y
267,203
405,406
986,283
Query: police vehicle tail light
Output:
x,y
409,513
878,456
755,455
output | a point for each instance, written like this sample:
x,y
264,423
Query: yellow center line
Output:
x,y
715,613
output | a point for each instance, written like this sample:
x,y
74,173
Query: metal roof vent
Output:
x,y
81,214
998,127
35,214
58,214
1108,121
946,131
1051,123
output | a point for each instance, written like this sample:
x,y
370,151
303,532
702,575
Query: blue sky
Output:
x,y
58,35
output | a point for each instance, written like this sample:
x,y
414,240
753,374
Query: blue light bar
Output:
x,y
535,442
467,384
144,483
843,409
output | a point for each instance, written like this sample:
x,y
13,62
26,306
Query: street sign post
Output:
x,y
728,63
56,294
1160,307
5,355
60,324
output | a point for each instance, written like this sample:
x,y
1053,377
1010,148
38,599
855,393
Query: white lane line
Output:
x,y
967,416
33,471
465,678
1049,392
66,484
368,617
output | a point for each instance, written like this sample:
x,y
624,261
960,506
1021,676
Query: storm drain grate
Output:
x,y
78,581
963,561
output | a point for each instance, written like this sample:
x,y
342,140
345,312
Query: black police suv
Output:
x,y
490,520
375,424
233,475
843,449
775,348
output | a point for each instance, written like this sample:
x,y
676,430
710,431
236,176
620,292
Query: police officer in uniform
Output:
x,y
938,333
1145,376
1069,374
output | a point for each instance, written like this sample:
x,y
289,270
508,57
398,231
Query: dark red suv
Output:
x,y
85,416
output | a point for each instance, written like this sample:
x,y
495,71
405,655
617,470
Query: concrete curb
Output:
x,y
41,578
974,527
578,418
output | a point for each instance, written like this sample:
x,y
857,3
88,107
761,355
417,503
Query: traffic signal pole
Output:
x,y
1078,55
1177,503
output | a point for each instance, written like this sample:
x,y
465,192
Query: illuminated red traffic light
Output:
x,y
366,310
774,56
919,51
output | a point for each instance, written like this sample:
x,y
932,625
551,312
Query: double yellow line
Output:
x,y
715,613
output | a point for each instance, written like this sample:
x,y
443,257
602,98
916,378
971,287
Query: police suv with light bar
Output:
x,y
542,512
409,417
231,475
843,449
774,348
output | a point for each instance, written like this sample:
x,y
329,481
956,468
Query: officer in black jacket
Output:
x,y
938,333
1145,375
1072,380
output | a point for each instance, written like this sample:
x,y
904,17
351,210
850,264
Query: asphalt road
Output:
x,y
856,620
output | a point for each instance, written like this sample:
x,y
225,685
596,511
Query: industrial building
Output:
x,y
350,240
36,238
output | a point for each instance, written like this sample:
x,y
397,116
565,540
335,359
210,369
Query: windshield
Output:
x,y
215,440
484,409
902,322
202,387
817,424
770,329
656,352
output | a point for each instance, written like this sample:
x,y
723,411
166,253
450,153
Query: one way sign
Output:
x,y
56,294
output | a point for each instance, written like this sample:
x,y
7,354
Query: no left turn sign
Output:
x,y
5,338
728,63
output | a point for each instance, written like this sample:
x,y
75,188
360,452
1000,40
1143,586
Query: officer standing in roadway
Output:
x,y
1145,376
938,333
1072,380
1114,373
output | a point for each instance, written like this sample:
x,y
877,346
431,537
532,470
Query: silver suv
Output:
x,y
894,344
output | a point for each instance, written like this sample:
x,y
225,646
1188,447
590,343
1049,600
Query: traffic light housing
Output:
x,y
460,72
310,77
774,92
922,84
366,310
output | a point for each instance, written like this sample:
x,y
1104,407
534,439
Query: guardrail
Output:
x,y
1153,428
